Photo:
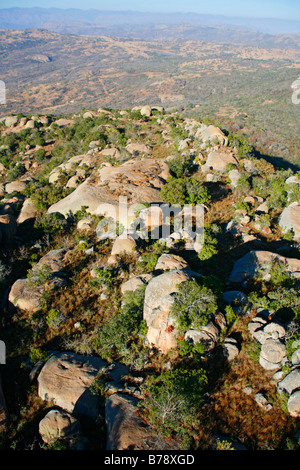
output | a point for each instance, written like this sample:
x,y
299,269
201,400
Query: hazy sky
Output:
x,y
284,9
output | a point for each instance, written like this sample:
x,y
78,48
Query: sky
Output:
x,y
282,9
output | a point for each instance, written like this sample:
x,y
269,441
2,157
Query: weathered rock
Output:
x,y
290,220
272,354
54,260
58,424
25,296
146,111
208,335
41,58
123,245
28,212
65,380
158,300
293,404
84,224
168,262
125,430
211,134
235,296
137,180
11,121
260,262
290,383
132,284
15,187
231,349
30,124
262,401
234,176
218,161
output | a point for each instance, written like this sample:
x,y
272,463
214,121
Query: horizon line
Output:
x,y
153,12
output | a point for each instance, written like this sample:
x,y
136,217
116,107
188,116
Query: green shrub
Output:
x,y
172,401
183,191
210,246
116,334
179,166
149,260
193,305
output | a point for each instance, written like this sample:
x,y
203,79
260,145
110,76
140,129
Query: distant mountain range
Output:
x,y
65,20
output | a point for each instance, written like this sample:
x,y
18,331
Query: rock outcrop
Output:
x,y
290,220
25,296
58,424
125,429
158,300
257,263
218,160
211,135
137,180
290,386
65,380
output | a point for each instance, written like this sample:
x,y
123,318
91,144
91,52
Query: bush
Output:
x,y
193,305
148,260
210,247
172,400
179,166
117,332
185,191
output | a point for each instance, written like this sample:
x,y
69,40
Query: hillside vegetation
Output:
x,y
169,340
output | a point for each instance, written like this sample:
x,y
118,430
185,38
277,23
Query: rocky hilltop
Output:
x,y
130,326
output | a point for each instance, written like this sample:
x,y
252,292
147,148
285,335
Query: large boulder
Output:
x,y
137,180
293,404
28,212
290,385
11,121
25,296
58,424
123,245
257,263
15,187
54,260
273,354
158,300
290,220
212,135
208,335
125,429
168,261
65,381
218,160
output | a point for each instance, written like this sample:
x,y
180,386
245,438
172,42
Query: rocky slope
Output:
x,y
121,334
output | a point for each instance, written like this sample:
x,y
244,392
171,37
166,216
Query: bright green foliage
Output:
x,y
172,400
104,277
193,305
118,331
185,191
178,166
148,260
210,247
